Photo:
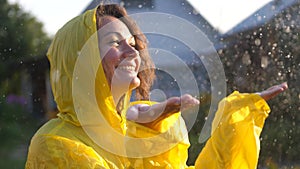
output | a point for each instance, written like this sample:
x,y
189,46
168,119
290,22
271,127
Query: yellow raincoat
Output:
x,y
89,133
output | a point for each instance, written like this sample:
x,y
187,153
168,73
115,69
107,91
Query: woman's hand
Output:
x,y
273,91
176,104
143,113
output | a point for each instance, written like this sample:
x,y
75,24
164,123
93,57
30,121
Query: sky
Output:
x,y
222,14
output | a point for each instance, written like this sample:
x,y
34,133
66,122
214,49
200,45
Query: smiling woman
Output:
x,y
121,61
97,59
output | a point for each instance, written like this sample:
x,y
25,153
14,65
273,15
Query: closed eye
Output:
x,y
115,43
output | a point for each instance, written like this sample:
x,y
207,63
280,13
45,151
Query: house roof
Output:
x,y
261,16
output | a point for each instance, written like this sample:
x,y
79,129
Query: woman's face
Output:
x,y
121,60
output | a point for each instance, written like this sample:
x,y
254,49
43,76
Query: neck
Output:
x,y
119,99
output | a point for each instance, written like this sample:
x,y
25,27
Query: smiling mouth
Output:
x,y
127,68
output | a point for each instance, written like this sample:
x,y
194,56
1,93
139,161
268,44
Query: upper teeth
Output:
x,y
130,68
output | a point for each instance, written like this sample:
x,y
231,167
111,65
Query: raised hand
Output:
x,y
273,91
143,113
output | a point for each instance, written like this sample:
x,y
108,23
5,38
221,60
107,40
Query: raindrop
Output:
x,y
246,58
264,62
259,18
195,12
287,30
257,42
140,6
288,16
273,7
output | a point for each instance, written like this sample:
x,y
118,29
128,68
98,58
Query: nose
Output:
x,y
129,51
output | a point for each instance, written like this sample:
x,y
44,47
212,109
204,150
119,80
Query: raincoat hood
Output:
x,y
75,72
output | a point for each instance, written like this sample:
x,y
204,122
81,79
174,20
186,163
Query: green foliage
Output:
x,y
22,38
17,126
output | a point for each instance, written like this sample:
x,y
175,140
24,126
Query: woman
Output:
x,y
96,60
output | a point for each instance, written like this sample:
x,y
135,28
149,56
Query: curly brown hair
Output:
x,y
147,73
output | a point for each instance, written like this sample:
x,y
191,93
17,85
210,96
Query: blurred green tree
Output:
x,y
22,38
23,43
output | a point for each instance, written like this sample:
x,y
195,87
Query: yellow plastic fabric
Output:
x,y
167,144
236,128
66,142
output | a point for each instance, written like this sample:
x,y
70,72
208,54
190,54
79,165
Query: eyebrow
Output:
x,y
118,34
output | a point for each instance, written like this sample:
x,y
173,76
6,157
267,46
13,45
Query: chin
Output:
x,y
135,82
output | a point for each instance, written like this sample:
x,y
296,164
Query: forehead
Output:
x,y
111,24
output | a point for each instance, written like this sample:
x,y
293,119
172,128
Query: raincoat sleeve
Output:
x,y
50,151
234,142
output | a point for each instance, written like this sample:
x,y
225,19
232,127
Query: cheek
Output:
x,y
111,58
109,62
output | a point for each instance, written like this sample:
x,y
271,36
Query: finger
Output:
x,y
273,91
284,86
189,102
